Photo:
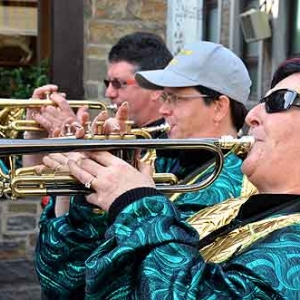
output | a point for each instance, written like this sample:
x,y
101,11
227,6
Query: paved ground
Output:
x,y
18,280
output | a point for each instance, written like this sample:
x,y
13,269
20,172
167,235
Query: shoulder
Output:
x,y
275,259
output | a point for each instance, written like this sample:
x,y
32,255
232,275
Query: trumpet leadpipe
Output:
x,y
24,182
52,145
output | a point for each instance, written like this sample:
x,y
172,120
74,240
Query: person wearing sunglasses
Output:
x,y
242,249
138,51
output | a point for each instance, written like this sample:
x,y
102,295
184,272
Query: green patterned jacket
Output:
x,y
149,253
65,243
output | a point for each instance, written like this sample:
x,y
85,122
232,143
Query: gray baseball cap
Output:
x,y
202,63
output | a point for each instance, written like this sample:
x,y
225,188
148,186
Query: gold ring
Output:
x,y
57,168
89,183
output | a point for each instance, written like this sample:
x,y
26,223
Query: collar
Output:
x,y
266,204
256,208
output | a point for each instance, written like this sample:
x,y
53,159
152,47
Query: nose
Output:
x,y
111,92
255,115
165,109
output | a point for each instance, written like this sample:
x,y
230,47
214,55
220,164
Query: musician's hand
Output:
x,y
146,168
58,162
76,126
40,93
50,117
31,113
109,176
111,125
116,124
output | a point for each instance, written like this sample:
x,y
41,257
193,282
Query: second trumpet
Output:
x,y
12,113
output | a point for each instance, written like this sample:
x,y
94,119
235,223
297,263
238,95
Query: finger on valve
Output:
x,y
40,92
97,124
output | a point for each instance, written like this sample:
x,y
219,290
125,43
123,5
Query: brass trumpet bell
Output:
x,y
12,112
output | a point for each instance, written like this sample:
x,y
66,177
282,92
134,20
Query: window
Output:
x,y
211,21
250,54
295,28
18,32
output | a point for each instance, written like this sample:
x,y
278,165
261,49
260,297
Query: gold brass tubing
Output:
x,y
34,103
214,145
15,124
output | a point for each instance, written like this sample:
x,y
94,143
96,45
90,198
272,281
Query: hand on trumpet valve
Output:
x,y
58,162
102,124
53,118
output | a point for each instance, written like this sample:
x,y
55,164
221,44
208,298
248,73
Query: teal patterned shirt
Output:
x,y
150,253
65,244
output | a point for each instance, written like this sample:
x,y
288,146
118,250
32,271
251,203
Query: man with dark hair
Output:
x,y
139,51
287,68
133,52
249,249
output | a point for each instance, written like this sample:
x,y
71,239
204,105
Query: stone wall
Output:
x,y
108,20
18,231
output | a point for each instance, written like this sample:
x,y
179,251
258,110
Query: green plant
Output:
x,y
20,82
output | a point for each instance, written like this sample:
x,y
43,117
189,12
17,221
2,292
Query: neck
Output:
x,y
223,129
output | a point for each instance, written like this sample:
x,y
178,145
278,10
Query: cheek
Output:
x,y
253,160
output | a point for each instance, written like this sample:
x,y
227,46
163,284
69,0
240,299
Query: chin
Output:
x,y
175,136
171,134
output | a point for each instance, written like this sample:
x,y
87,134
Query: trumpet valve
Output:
x,y
68,130
128,126
99,130
47,94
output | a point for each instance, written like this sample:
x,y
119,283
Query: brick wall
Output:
x,y
108,20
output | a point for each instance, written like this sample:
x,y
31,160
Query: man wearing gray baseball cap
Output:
x,y
202,63
204,91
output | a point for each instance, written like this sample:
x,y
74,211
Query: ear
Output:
x,y
155,95
221,108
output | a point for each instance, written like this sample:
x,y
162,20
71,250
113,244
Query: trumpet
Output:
x,y
25,183
12,113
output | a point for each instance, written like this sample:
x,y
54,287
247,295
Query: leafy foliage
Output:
x,y
20,82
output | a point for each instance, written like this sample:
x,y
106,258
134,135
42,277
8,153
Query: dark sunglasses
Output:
x,y
281,100
118,84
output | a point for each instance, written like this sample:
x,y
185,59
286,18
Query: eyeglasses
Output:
x,y
118,84
281,100
170,98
